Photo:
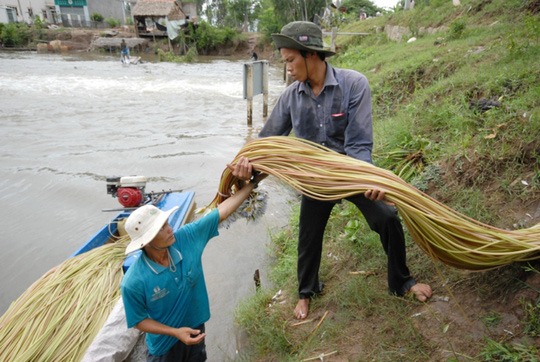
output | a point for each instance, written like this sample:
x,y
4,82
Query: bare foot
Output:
x,y
422,292
302,309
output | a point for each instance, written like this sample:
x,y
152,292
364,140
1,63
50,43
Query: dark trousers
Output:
x,y
381,218
181,352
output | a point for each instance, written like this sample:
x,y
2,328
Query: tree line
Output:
x,y
268,16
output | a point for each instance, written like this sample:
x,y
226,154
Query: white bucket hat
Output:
x,y
143,225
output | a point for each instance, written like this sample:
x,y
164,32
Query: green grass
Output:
x,y
424,90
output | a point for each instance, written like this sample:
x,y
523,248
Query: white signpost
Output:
x,y
256,82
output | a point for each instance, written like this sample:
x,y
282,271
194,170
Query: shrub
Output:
x,y
207,37
113,23
456,29
96,17
14,34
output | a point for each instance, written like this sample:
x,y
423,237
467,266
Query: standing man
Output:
x,y
164,291
124,49
332,107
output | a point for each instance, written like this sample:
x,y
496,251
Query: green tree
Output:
x,y
238,13
291,10
200,4
269,22
242,13
358,6
216,12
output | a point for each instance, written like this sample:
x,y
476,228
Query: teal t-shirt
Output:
x,y
176,298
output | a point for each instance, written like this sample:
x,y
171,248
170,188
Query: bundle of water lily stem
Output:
x,y
57,317
441,232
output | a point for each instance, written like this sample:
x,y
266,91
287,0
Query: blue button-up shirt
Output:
x,y
339,118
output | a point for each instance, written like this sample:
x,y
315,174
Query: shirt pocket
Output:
x,y
338,116
338,125
193,274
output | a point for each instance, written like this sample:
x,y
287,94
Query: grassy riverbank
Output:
x,y
457,115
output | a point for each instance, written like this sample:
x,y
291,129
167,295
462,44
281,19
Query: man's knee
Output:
x,y
384,218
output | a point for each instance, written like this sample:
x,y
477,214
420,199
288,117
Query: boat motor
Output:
x,y
128,189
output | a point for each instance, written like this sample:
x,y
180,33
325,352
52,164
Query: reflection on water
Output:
x,y
68,122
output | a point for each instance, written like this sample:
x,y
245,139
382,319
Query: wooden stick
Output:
x,y
321,356
302,322
317,327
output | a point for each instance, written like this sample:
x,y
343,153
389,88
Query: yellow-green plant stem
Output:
x,y
58,316
439,231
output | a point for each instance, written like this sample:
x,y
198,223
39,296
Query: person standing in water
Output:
x,y
124,49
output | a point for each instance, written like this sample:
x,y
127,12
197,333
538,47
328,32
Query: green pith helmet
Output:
x,y
301,35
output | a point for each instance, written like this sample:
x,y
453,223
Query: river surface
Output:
x,y
70,121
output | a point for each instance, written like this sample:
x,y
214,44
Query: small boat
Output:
x,y
130,191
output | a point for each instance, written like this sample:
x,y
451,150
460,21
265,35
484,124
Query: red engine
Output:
x,y
129,197
128,189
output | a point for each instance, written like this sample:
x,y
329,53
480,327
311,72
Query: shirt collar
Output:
x,y
175,254
158,268
329,80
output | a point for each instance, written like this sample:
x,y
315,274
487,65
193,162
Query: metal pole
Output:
x,y
265,88
249,94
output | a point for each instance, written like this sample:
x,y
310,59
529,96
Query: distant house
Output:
x,y
76,13
190,9
159,18
8,14
69,13
26,11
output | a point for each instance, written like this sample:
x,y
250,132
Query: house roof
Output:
x,y
161,8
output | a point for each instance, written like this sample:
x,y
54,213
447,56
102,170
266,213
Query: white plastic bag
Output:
x,y
115,341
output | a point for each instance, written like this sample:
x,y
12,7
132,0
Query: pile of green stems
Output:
x,y
442,233
58,317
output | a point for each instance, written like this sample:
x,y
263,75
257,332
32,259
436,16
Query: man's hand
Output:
x,y
242,169
377,195
189,336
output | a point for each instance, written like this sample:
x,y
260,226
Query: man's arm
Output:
x,y
184,334
279,123
359,132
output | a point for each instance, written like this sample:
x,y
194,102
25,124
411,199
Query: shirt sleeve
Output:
x,y
359,131
134,305
198,233
279,123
